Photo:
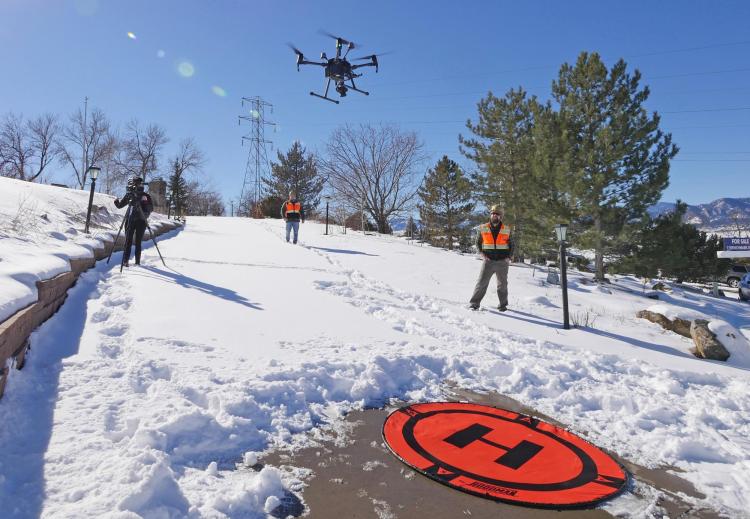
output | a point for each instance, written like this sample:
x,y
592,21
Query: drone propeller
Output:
x,y
300,56
295,49
338,39
371,56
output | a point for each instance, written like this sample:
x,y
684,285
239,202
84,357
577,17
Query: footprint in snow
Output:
x,y
116,330
109,350
101,315
122,301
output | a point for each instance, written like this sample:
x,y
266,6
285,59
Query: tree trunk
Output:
x,y
599,249
383,227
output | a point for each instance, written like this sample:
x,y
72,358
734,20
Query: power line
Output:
x,y
705,73
710,160
708,110
715,153
689,49
710,126
547,67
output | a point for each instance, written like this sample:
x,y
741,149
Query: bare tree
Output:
x,y
113,176
374,168
188,159
27,149
15,148
139,151
43,132
203,199
85,142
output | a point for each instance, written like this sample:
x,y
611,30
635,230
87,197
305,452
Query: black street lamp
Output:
x,y
93,172
328,198
561,230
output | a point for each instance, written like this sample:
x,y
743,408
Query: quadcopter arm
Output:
x,y
354,67
305,62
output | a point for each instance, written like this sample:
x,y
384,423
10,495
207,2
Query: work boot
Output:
x,y
502,308
474,307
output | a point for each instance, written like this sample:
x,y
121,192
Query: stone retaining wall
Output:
x,y
15,331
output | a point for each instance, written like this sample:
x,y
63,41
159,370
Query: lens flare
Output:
x,y
185,69
254,114
160,53
131,35
218,91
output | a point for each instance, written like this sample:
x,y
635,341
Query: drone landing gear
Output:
x,y
354,87
324,97
360,91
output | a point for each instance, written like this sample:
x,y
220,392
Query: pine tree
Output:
x,y
446,203
178,191
296,171
669,247
504,150
617,158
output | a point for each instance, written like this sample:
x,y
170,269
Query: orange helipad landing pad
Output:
x,y
502,455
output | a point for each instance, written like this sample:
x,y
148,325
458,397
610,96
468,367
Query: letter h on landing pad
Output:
x,y
514,457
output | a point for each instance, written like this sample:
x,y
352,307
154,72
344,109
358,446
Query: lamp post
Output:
x,y
561,230
93,172
328,198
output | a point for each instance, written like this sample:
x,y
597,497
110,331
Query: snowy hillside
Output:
x,y
149,388
41,229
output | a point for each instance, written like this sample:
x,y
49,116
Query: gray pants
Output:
x,y
489,267
292,226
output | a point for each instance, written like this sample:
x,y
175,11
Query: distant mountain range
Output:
x,y
714,216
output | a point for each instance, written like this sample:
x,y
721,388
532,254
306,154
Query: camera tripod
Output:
x,y
134,204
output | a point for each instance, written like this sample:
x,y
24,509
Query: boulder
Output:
x,y
707,346
679,326
655,318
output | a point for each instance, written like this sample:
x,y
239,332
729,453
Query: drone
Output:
x,y
338,69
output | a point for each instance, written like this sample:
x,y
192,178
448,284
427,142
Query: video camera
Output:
x,y
132,187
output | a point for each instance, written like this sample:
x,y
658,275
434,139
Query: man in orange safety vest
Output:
x,y
495,244
292,213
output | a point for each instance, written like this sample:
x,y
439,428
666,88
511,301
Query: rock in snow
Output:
x,y
706,344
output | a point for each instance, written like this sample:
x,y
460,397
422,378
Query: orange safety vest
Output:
x,y
489,242
293,207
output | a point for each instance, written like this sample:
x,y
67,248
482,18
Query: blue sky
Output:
x,y
695,56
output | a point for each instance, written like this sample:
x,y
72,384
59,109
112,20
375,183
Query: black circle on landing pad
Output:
x,y
586,475
502,455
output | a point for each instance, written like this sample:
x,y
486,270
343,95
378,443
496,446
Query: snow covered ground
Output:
x,y
152,392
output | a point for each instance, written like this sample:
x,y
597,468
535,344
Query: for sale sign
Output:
x,y
736,243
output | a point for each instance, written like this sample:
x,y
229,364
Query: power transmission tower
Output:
x,y
257,158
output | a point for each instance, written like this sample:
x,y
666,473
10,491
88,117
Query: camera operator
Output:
x,y
140,209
